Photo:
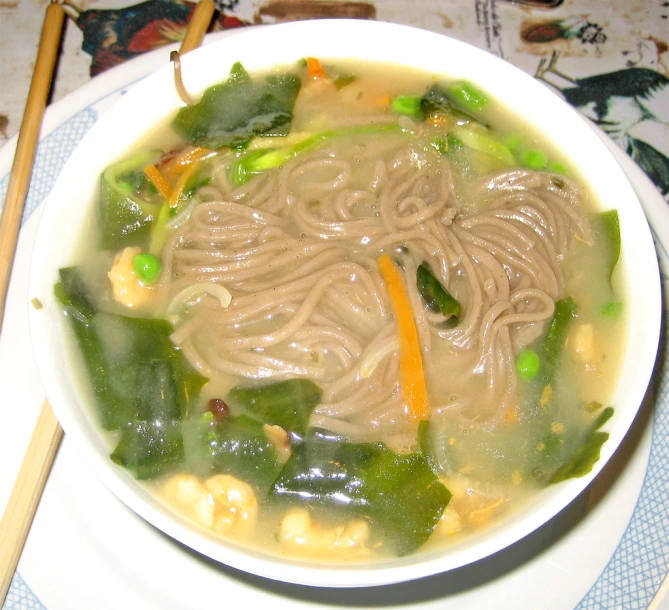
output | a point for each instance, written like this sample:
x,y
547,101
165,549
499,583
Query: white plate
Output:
x,y
608,549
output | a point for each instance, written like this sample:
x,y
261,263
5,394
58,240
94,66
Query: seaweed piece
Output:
x,y
398,493
230,113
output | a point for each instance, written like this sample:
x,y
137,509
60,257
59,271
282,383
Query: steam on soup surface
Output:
x,y
346,311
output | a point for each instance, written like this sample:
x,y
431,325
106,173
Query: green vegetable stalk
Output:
x,y
260,161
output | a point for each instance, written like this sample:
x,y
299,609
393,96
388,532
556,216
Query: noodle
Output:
x,y
299,262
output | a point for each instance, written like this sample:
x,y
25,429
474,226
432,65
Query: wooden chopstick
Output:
x,y
26,146
197,26
47,433
27,492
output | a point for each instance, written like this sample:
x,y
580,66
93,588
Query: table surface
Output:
x,y
609,59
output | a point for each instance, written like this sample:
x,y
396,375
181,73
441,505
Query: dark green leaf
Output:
x,y
238,74
124,215
436,297
232,112
234,445
398,493
582,461
150,447
437,100
137,376
553,344
287,404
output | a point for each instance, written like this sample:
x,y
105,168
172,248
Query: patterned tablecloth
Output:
x,y
607,58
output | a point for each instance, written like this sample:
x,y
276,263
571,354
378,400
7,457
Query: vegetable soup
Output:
x,y
346,311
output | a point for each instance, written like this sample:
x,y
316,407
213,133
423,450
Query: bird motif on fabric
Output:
x,y
114,35
616,102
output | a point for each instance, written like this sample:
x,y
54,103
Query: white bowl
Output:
x,y
154,100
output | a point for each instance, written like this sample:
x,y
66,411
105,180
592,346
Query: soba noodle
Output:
x,y
308,298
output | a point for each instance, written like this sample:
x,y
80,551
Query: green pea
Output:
x,y
528,364
147,267
207,417
535,159
407,104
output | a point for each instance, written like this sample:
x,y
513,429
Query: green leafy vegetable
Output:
x,y
150,448
231,113
142,384
553,344
125,217
582,461
436,297
260,161
287,404
234,445
445,145
438,101
611,229
398,493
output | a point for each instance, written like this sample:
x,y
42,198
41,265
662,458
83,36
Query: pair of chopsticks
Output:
x,y
47,434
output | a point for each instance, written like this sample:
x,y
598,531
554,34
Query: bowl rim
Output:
x,y
269,566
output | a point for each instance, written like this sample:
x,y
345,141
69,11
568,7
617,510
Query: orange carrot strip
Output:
x,y
157,179
315,68
412,376
191,156
181,184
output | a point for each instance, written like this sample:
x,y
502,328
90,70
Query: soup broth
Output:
x,y
348,311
